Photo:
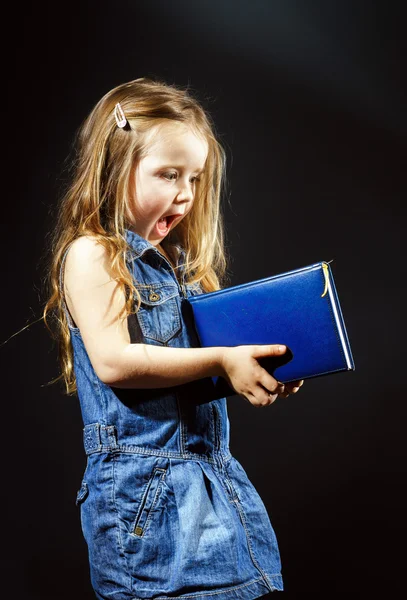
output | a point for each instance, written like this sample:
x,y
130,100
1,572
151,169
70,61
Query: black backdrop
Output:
x,y
309,101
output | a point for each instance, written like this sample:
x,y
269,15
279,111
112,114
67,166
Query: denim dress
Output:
x,y
165,509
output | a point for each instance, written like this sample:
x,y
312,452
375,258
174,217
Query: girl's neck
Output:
x,y
165,254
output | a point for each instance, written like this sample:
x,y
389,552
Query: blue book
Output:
x,y
299,309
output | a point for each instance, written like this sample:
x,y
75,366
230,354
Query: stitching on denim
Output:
x,y
153,288
112,436
181,424
143,493
218,425
184,452
206,594
167,454
91,428
218,475
118,532
249,539
158,285
103,400
176,320
163,263
91,438
160,477
268,581
154,502
238,504
213,427
234,491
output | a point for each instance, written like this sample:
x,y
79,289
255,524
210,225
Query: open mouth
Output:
x,y
170,219
164,224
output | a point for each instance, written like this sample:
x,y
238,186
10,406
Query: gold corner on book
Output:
x,y
325,270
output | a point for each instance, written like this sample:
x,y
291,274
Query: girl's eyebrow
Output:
x,y
181,168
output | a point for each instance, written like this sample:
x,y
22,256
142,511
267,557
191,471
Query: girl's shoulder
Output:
x,y
83,251
85,260
84,245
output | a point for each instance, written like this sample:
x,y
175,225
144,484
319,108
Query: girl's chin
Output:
x,y
151,237
154,236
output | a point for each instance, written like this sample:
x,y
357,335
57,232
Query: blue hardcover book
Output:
x,y
299,308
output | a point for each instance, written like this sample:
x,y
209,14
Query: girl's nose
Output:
x,y
186,193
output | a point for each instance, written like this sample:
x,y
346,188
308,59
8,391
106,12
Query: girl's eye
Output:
x,y
172,176
169,175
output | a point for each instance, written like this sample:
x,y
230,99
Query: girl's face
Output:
x,y
164,182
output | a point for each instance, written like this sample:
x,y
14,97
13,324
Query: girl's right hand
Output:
x,y
249,379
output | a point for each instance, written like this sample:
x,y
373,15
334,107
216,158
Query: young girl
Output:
x,y
166,510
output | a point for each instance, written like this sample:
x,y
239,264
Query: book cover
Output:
x,y
299,309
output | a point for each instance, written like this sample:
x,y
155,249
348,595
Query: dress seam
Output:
x,y
211,593
239,507
161,453
118,532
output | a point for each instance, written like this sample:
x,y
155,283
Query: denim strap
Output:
x,y
98,438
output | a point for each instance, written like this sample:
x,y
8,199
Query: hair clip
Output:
x,y
119,116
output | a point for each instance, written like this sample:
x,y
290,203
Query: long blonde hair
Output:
x,y
96,200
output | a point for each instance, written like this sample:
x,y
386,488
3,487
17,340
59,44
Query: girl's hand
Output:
x,y
291,388
244,374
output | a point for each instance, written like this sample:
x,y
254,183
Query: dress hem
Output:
x,y
247,591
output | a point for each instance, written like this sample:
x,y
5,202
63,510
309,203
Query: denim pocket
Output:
x,y
82,493
148,502
159,313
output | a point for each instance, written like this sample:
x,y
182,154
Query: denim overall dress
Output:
x,y
165,509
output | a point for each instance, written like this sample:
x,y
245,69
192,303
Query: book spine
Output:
x,y
340,323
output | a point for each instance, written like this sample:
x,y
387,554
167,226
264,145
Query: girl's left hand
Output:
x,y
291,388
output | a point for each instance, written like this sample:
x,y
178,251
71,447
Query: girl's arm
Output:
x,y
94,302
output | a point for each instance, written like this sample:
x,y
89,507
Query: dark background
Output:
x,y
309,99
